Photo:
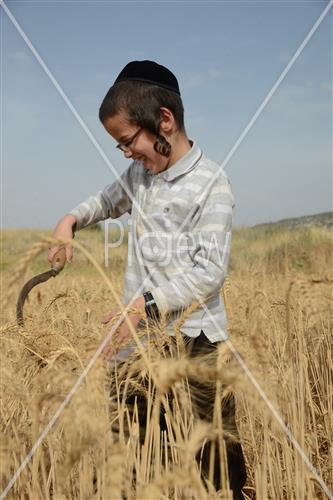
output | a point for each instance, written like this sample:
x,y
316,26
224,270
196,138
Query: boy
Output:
x,y
181,207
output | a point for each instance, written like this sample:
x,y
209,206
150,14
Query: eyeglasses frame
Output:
x,y
125,147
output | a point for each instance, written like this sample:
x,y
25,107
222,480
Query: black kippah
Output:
x,y
150,72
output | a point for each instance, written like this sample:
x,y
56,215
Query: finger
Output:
x,y
106,319
52,252
69,253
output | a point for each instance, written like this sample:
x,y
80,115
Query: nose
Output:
x,y
128,154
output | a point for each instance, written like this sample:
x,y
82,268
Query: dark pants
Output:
x,y
204,408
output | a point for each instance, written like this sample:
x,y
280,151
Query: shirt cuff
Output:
x,y
78,225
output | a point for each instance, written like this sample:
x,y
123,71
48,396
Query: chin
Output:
x,y
156,170
153,168
149,166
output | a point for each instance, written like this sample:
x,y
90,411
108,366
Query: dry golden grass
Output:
x,y
279,301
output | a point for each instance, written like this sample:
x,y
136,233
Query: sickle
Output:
x,y
58,263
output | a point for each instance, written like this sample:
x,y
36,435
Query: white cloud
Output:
x,y
298,101
19,56
215,73
136,54
195,80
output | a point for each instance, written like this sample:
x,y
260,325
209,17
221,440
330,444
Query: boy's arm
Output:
x,y
113,201
211,235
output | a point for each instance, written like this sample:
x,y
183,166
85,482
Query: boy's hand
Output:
x,y
123,331
64,229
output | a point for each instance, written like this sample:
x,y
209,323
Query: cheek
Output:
x,y
146,148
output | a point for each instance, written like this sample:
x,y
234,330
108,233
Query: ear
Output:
x,y
167,124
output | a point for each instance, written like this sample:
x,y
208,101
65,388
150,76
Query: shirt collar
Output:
x,y
183,165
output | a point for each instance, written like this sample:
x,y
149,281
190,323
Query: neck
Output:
x,y
180,146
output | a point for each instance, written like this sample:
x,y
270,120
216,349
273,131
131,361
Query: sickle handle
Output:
x,y
59,260
58,263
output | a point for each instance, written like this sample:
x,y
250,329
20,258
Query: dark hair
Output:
x,y
141,102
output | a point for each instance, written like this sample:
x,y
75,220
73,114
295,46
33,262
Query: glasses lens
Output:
x,y
126,147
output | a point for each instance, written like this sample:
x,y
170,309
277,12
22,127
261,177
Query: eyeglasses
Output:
x,y
126,146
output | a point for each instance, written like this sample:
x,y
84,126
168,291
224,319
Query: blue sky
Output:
x,y
226,56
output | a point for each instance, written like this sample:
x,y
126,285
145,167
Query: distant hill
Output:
x,y
317,220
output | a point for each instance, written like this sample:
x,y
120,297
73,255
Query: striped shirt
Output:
x,y
179,237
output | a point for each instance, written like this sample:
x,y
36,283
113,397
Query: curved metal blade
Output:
x,y
40,278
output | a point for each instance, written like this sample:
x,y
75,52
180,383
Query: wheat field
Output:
x,y
278,297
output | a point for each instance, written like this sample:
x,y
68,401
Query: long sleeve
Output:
x,y
211,244
113,201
